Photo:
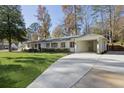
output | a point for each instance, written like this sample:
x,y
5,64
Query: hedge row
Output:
x,y
48,50
31,50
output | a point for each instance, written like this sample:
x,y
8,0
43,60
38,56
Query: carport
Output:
x,y
86,46
91,43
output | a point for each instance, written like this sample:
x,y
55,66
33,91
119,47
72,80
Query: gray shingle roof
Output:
x,y
55,39
62,38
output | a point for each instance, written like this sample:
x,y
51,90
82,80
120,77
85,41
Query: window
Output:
x,y
39,46
47,45
28,45
72,44
54,45
63,44
35,45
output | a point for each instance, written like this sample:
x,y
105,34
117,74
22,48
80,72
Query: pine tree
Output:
x,y
12,24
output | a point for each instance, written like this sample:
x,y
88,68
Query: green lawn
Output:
x,y
20,69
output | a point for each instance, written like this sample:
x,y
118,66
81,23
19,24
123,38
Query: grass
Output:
x,y
17,70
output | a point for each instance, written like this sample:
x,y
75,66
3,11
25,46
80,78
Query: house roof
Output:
x,y
77,37
61,39
90,37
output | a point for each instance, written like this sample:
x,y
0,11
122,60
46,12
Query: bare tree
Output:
x,y
45,22
58,31
72,19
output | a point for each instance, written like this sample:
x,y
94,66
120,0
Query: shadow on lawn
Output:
x,y
10,75
31,60
22,71
6,70
6,82
35,60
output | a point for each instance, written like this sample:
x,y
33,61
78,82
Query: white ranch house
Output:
x,y
83,43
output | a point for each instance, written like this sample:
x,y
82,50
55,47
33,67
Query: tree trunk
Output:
x,y
2,47
10,42
75,16
9,33
102,21
110,23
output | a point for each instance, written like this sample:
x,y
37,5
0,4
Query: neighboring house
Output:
x,y
83,43
5,45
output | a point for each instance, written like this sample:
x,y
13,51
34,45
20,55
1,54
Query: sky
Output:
x,y
30,11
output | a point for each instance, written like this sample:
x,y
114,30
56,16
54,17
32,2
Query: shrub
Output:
x,y
55,50
30,50
48,50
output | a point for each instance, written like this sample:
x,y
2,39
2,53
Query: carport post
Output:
x,y
98,47
74,45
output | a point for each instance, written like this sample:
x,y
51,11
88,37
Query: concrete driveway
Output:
x,y
108,72
84,70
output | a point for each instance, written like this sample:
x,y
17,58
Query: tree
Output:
x,y
58,31
45,22
34,27
114,16
118,22
32,31
99,12
72,19
12,24
121,35
86,19
1,38
34,36
110,19
107,17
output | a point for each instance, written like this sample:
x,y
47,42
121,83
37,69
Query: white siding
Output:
x,y
81,46
102,45
95,46
96,43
